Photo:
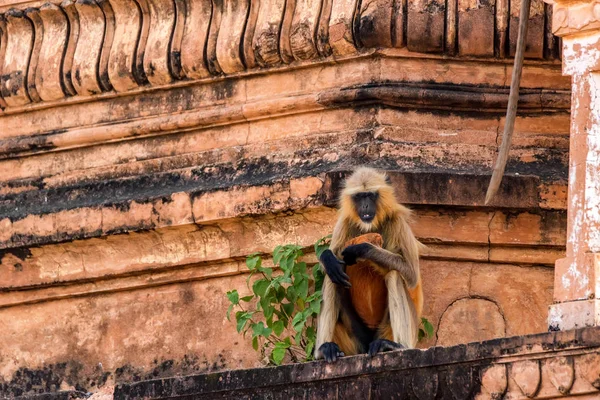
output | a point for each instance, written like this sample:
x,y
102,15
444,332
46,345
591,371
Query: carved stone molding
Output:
x,y
400,95
53,51
569,19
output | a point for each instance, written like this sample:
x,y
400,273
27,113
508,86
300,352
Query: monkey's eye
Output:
x,y
365,195
372,196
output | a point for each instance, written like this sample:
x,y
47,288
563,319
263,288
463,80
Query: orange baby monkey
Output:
x,y
372,295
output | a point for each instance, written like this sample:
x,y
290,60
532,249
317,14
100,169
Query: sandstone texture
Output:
x,y
149,148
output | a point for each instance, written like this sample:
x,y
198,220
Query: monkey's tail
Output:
x,y
403,317
328,316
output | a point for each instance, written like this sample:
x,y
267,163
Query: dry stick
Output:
x,y
513,99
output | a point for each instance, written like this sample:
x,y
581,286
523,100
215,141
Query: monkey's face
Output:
x,y
365,204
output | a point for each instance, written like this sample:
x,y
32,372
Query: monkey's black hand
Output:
x,y
331,351
351,253
381,345
334,269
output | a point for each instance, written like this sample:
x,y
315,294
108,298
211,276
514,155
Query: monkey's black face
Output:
x,y
365,204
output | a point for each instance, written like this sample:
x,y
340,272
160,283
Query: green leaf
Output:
x,y
233,296
267,271
321,245
301,268
253,261
260,287
229,312
269,310
277,254
315,307
298,338
298,322
278,327
311,333
280,315
291,294
280,294
242,318
302,287
259,329
255,343
318,276
277,355
428,327
287,263
247,298
288,308
310,346
315,296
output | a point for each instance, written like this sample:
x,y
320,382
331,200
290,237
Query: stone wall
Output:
x,y
150,147
551,365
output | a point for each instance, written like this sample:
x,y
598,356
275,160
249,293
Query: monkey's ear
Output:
x,y
388,180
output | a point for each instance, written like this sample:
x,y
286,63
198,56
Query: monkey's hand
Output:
x,y
351,253
334,268
331,351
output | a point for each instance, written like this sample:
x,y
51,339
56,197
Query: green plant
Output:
x,y
281,312
282,309
425,329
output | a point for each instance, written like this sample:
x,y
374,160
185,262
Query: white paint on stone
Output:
x,y
592,176
581,53
555,316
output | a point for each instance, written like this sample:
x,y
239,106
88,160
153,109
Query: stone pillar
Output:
x,y
577,276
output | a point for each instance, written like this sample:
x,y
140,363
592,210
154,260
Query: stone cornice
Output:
x,y
82,48
43,216
399,95
575,17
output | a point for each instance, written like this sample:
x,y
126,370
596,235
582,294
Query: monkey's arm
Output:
x,y
334,268
384,258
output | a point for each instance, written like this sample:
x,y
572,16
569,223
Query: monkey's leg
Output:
x,y
330,310
403,316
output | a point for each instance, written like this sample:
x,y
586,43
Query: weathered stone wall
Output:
x,y
552,365
132,188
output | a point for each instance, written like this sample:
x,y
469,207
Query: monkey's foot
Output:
x,y
382,345
331,351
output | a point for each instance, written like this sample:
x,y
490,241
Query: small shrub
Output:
x,y
281,313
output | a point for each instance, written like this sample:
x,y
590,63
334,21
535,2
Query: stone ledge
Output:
x,y
196,252
456,98
554,364
116,206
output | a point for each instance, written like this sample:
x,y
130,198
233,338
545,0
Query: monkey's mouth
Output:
x,y
368,218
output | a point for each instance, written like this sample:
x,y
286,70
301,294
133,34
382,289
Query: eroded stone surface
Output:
x,y
139,171
470,320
